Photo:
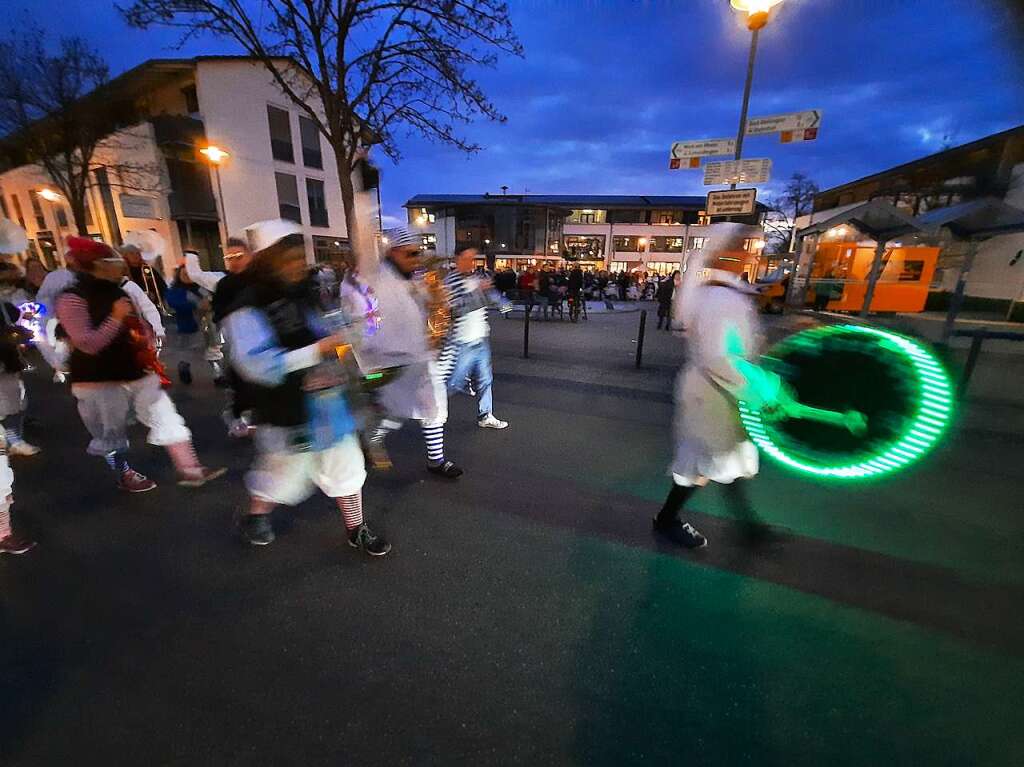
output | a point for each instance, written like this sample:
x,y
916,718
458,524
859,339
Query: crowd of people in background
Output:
x,y
552,282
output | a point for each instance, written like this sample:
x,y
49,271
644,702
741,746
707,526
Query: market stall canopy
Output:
x,y
977,219
877,219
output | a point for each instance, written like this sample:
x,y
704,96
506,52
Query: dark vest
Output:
x,y
284,404
118,361
227,293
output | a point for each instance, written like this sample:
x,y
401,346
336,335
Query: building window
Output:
x,y
629,217
309,134
429,242
317,201
667,217
280,134
666,244
16,204
911,271
191,99
37,210
3,207
619,266
661,267
703,219
587,216
696,243
331,249
584,248
628,244
62,217
288,197
420,217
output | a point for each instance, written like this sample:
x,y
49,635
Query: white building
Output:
x,y
990,167
620,232
277,166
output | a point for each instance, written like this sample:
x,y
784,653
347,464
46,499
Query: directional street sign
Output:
x,y
731,202
791,136
705,147
737,172
794,121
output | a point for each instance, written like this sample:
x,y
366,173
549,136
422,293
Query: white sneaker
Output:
x,y
490,422
21,447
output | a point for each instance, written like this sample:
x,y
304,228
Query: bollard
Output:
x,y
972,360
640,338
526,330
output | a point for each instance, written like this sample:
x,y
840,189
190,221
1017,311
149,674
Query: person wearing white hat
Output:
x,y
305,432
419,393
715,308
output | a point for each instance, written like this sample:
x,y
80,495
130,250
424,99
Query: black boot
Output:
x,y
753,531
667,522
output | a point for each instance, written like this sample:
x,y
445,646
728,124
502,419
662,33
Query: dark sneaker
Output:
x,y
256,529
133,482
681,533
14,544
363,538
185,372
199,477
445,469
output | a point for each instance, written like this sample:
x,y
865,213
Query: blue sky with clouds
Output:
x,y
606,86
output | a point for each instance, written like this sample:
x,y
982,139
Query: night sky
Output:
x,y
605,87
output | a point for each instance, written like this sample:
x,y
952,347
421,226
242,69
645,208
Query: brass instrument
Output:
x,y
439,311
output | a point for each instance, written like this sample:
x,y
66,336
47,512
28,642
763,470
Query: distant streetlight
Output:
x,y
757,17
49,195
216,157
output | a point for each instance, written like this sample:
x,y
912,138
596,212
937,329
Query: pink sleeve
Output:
x,y
73,313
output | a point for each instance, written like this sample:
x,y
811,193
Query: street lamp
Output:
x,y
216,157
49,195
757,17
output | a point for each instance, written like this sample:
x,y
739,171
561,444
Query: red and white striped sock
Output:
x,y
184,458
5,520
351,507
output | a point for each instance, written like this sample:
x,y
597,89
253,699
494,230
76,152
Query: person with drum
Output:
x,y
716,310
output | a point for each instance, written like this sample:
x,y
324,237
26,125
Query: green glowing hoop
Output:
x,y
927,386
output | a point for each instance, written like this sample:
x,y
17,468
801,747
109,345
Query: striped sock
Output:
x,y
183,456
351,507
117,462
5,520
434,437
384,428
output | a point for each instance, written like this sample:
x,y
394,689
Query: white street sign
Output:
x,y
731,202
705,147
794,121
737,172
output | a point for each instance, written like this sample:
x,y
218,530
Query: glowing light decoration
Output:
x,y
32,319
926,390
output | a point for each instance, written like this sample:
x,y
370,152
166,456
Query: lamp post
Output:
x,y
216,156
757,17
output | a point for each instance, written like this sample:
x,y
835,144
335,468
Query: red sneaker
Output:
x,y
13,544
199,477
133,482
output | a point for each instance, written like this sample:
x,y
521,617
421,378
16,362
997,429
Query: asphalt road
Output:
x,y
526,615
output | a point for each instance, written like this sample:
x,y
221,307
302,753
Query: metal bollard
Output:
x,y
972,360
640,338
526,330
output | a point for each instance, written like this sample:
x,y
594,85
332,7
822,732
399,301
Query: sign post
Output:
x,y
787,123
731,202
755,171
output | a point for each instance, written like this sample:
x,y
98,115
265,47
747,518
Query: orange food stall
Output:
x,y
902,286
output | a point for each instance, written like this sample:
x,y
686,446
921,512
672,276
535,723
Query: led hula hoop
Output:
x,y
899,385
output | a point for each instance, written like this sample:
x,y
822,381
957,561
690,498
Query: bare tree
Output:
x,y
53,114
796,199
366,68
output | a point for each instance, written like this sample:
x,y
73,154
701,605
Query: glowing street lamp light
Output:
x,y
49,195
757,11
214,154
